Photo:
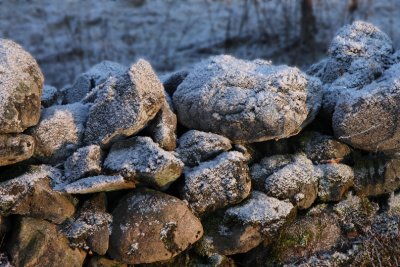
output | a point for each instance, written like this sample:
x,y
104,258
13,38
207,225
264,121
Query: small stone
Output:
x,y
172,81
335,181
95,184
50,96
218,183
124,105
151,226
37,242
140,159
394,204
21,85
86,161
59,132
97,261
15,148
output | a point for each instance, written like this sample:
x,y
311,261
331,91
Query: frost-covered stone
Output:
x,y
247,101
124,105
296,181
21,84
172,81
218,183
151,226
335,181
15,148
243,227
50,96
95,76
140,159
32,194
95,184
195,146
59,132
39,243
86,161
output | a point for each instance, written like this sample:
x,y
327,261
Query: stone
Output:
x,y
140,159
59,132
95,76
50,96
86,161
37,242
97,261
247,101
394,204
151,226
172,81
195,146
244,226
32,194
15,148
335,181
296,181
95,184
21,85
218,183
124,105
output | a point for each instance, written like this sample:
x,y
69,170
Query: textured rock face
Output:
x,y
50,96
335,181
95,184
39,243
247,101
59,132
15,148
85,161
151,226
124,105
140,159
21,85
218,183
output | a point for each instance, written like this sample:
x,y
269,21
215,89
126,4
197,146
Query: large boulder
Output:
x,y
15,148
151,226
247,101
124,104
21,84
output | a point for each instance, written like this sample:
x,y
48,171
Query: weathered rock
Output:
x,y
195,146
32,194
296,181
95,184
335,181
92,226
95,76
243,227
124,105
21,84
15,148
247,101
376,175
218,183
140,159
151,226
59,132
50,96
171,82
105,262
394,204
86,161
39,243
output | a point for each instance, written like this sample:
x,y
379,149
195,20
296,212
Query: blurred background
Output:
x,y
67,37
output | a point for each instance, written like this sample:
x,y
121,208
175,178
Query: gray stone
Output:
x,y
86,161
59,132
21,85
15,148
95,184
218,183
140,159
172,81
247,101
50,96
335,181
195,146
124,105
151,226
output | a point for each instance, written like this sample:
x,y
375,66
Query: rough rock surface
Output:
x,y
124,105
247,101
140,159
195,146
172,81
50,96
39,243
151,226
21,85
218,183
15,148
86,161
335,181
104,262
96,184
59,132
243,227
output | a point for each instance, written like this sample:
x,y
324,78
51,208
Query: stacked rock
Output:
x,y
233,163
